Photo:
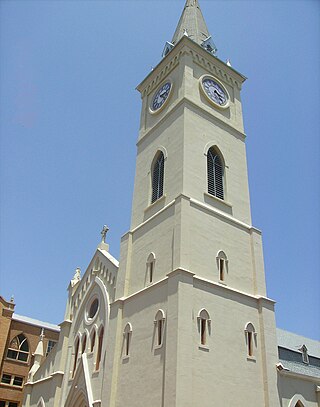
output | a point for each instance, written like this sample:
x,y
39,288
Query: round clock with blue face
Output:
x,y
160,97
214,91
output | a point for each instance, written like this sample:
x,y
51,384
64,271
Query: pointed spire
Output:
x,y
192,22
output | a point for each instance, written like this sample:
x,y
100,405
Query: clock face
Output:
x,y
215,92
160,96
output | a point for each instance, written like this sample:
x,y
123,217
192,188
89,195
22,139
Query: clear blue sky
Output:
x,y
69,123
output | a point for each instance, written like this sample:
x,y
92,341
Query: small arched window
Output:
x,y
93,340
204,324
151,261
159,327
157,177
84,343
99,352
18,348
215,171
76,352
222,264
127,339
251,336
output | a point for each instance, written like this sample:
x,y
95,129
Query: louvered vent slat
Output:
x,y
215,174
157,178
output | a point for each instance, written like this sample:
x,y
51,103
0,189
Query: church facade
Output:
x,y
183,319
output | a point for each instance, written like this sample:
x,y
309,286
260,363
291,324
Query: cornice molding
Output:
x,y
146,90
214,69
199,56
182,271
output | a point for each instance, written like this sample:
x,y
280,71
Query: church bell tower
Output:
x,y
191,325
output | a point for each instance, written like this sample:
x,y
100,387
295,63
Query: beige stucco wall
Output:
x,y
292,388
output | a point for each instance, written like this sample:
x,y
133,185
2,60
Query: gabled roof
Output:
x,y
294,342
35,322
192,23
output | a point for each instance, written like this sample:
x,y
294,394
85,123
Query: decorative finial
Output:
x,y
12,298
76,277
42,334
104,232
228,62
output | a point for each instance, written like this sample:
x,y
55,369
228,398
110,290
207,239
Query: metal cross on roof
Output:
x,y
104,232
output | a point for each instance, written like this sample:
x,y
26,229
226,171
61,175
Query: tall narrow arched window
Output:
x,y
93,340
251,335
157,177
84,343
222,263
99,352
18,348
204,326
159,328
76,352
215,174
127,339
151,262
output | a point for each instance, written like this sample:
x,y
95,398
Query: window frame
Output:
x,y
50,345
12,378
93,337
204,328
84,345
76,348
157,176
127,337
19,351
251,340
159,324
216,185
99,349
150,269
222,258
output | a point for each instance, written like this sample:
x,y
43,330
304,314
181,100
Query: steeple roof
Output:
x,y
191,23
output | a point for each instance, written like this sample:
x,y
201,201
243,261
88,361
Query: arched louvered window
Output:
x,y
215,174
157,177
